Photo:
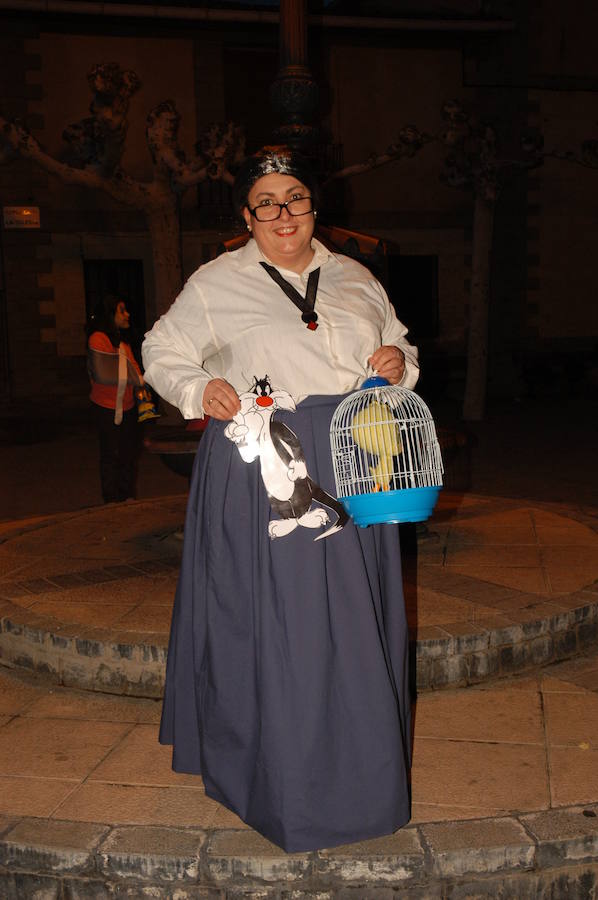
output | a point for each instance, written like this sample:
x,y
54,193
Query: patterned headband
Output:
x,y
272,160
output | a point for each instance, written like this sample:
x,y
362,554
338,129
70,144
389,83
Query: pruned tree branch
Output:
x,y
94,148
98,141
411,140
17,141
162,127
586,160
224,148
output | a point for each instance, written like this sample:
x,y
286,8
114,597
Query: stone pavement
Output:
x,y
505,773
505,784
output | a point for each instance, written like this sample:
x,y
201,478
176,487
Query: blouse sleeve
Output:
x,y
394,333
173,353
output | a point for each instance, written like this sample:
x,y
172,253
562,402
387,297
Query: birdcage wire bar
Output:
x,y
398,418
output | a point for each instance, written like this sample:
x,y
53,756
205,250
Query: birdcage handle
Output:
x,y
374,381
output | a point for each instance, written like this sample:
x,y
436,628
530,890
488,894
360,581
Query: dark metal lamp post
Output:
x,y
294,93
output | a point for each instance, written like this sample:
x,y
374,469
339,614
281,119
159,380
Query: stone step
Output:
x,y
553,853
132,663
493,587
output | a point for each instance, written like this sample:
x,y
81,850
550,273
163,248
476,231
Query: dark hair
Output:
x,y
102,317
279,160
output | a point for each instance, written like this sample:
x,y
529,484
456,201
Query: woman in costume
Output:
x,y
112,397
287,675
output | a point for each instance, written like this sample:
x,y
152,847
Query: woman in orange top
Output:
x,y
112,368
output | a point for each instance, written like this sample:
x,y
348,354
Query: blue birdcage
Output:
x,y
386,455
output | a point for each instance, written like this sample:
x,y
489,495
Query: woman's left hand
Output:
x,y
388,362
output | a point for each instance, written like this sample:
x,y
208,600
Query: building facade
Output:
x,y
521,67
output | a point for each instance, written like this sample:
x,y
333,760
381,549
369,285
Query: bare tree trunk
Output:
x,y
474,401
164,228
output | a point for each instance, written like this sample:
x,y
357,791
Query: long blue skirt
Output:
x,y
287,675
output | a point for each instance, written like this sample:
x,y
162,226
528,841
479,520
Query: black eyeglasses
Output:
x,y
268,211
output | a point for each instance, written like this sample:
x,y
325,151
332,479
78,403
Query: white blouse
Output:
x,y
232,321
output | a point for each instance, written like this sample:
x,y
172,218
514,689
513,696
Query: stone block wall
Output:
x,y
29,313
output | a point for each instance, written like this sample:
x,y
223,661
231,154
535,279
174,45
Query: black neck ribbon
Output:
x,y
305,304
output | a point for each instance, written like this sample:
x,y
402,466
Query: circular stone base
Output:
x,y
492,587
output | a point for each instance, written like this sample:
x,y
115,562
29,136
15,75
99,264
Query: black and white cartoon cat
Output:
x,y
290,489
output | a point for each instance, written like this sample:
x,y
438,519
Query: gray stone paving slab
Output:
x,y
387,860
564,835
160,854
57,847
246,854
486,846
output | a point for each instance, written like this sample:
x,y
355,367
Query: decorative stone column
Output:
x,y
294,93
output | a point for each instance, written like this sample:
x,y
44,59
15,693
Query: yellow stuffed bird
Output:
x,y
373,430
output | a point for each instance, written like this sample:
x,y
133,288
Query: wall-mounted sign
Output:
x,y
21,216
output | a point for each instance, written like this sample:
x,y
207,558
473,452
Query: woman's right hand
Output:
x,y
220,400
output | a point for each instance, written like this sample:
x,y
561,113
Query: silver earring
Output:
x,y
248,227
315,213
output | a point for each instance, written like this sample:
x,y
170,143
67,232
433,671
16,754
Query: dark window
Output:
x,y
413,290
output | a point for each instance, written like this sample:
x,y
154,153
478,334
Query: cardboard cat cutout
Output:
x,y
290,489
